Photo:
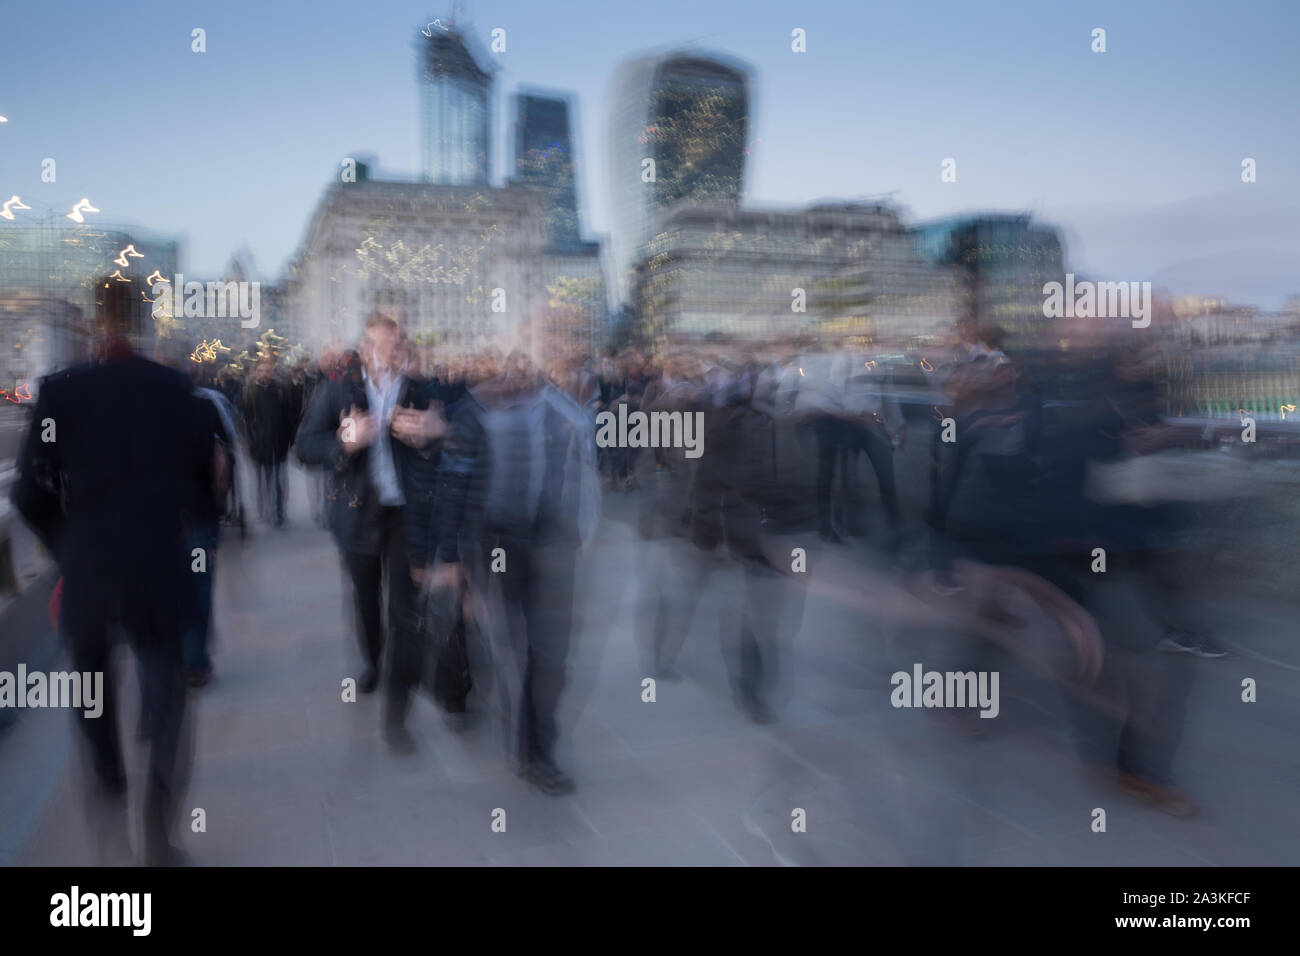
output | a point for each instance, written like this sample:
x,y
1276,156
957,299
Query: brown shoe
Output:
x,y
1134,786
1165,797
1173,802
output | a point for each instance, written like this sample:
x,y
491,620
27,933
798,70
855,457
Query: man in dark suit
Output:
x,y
119,466
373,432
271,418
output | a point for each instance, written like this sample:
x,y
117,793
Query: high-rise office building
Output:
x,y
739,272
546,164
544,161
455,111
677,133
1002,262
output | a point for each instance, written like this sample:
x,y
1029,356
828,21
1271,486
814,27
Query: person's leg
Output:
x,y
548,613
1164,714
198,665
688,572
162,681
403,633
826,434
263,511
1159,687
881,455
750,640
506,631
316,481
278,476
1176,587
655,593
91,650
365,570
105,794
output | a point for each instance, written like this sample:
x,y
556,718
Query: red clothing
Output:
x,y
56,601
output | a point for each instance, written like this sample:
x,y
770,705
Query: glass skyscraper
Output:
x,y
689,113
455,111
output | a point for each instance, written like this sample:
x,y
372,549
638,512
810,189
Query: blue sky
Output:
x,y
1135,153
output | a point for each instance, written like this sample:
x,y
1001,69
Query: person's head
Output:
x,y
1134,360
264,370
568,373
484,367
119,309
380,342
329,358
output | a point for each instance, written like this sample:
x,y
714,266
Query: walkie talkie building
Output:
x,y
689,114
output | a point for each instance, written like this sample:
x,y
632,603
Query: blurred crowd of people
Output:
x,y
460,491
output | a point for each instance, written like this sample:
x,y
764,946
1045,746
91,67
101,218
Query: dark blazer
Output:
x,y
351,500
117,492
271,418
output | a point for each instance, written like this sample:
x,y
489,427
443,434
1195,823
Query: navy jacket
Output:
x,y
116,472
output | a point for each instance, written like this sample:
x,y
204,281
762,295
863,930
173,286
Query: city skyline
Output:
x,y
1133,153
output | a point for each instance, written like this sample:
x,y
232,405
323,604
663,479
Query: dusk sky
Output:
x,y
1135,153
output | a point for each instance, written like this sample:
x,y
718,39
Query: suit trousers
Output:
x,y
389,569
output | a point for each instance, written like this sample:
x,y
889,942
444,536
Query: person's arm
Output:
x,y
417,461
37,494
419,427
212,467
317,441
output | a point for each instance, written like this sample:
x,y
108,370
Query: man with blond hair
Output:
x,y
366,430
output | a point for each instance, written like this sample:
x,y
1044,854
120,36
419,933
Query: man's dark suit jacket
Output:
x,y
351,499
117,492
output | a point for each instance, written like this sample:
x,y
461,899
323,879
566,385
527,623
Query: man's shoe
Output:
x,y
757,712
668,673
399,740
1172,801
548,778
369,681
165,854
108,819
1180,642
1134,786
1177,642
1168,799
1210,650
198,679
